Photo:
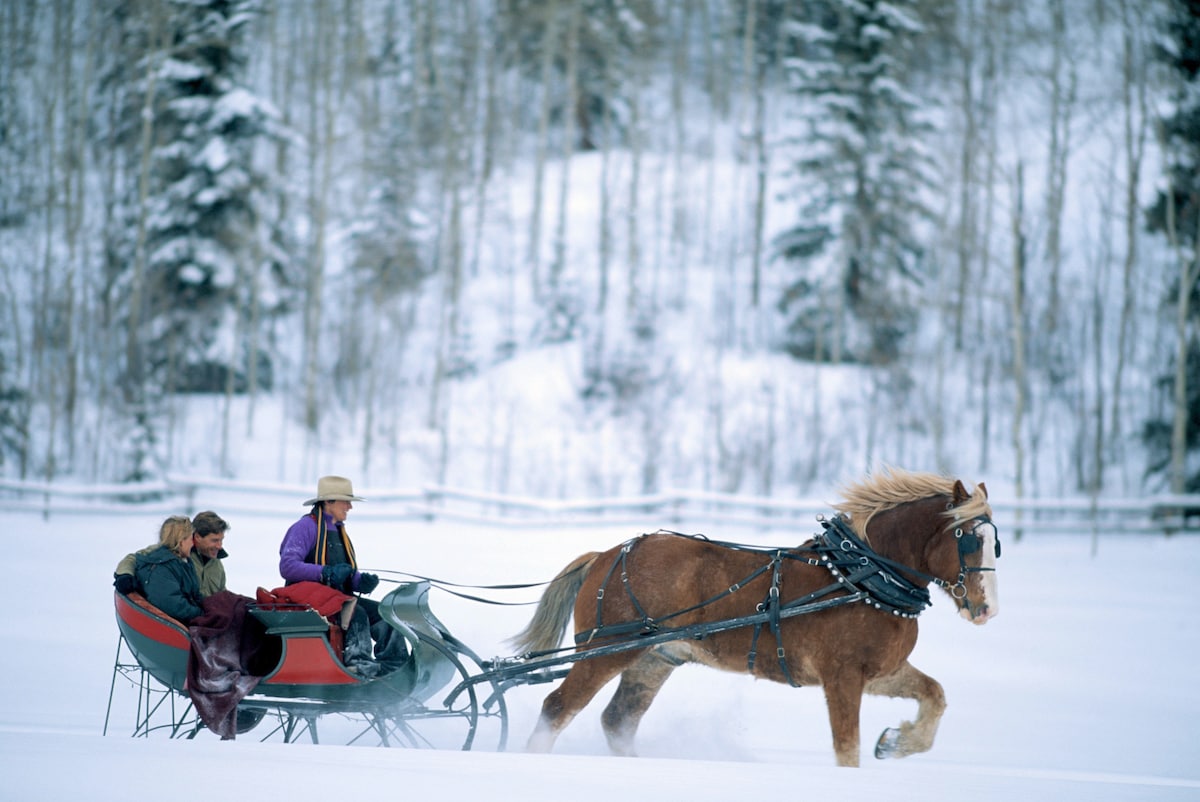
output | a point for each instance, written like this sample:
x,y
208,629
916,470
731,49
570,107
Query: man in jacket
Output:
x,y
317,548
208,538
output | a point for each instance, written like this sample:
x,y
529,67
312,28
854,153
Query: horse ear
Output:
x,y
983,489
959,494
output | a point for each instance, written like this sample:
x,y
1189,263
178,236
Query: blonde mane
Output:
x,y
891,487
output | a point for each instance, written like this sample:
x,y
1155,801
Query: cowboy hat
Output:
x,y
333,488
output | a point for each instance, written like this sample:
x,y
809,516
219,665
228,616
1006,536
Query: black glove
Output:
x,y
125,583
367,583
338,577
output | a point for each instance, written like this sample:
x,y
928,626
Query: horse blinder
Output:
x,y
969,542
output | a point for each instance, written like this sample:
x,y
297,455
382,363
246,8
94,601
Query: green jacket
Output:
x,y
211,573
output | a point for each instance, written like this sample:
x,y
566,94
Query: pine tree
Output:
x,y
199,259
859,174
1173,442
14,416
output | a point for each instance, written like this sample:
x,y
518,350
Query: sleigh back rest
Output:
x,y
159,642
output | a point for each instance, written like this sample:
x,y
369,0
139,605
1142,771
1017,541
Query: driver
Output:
x,y
317,548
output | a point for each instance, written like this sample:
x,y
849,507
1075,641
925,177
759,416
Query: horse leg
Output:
x,y
912,736
640,683
843,697
582,683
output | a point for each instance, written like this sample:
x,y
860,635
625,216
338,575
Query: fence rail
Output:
x,y
1163,513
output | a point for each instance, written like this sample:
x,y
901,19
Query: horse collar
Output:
x,y
861,569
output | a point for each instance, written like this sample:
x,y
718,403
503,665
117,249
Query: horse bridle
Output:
x,y
968,543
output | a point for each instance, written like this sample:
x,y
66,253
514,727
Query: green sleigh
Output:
x,y
309,693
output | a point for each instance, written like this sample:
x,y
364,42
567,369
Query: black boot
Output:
x,y
391,650
356,654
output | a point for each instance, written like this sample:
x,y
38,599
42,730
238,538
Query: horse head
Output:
x,y
935,526
964,554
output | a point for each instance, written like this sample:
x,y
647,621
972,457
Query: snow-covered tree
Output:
x,y
198,257
1174,439
860,179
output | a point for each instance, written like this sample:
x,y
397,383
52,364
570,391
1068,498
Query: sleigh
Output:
x,y
305,691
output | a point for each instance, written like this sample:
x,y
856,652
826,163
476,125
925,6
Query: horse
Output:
x,y
839,611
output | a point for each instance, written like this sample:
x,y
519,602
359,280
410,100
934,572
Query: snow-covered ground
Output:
x,y
1083,688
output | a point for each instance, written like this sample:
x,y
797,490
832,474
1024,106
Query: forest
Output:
x,y
604,246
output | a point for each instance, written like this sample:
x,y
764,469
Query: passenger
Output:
x,y
317,549
165,574
208,538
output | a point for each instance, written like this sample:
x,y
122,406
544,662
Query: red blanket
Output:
x,y
322,598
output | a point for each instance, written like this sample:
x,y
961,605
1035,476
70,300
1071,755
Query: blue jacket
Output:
x,y
169,583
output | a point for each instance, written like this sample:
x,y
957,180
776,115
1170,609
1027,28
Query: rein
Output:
x,y
445,586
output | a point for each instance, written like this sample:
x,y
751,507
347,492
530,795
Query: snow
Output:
x,y
1082,688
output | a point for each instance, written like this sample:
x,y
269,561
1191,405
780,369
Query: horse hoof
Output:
x,y
888,744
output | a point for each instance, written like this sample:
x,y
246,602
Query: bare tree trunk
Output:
x,y
1062,101
455,93
604,257
1134,108
759,214
448,333
549,52
365,328
966,172
74,211
52,364
1189,265
680,235
320,172
1017,315
633,210
714,81
559,263
1096,479
134,390
287,37
996,23
493,63
598,339
728,301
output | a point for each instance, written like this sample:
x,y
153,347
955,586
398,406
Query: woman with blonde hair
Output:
x,y
166,575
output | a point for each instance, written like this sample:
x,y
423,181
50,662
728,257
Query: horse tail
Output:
x,y
545,631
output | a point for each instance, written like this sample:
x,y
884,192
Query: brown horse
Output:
x,y
838,611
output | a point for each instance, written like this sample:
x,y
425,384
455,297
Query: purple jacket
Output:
x,y
298,543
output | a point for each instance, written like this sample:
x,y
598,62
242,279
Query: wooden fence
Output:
x,y
1163,514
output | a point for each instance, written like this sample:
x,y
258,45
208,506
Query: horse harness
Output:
x,y
860,573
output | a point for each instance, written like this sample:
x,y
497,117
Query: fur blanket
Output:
x,y
221,664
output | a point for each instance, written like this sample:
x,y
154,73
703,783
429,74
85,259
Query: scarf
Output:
x,y
321,549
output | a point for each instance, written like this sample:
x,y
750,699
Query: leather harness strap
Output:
x,y
860,574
